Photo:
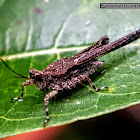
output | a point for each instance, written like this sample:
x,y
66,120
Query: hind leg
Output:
x,y
96,89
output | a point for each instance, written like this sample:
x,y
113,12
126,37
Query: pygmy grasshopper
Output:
x,y
67,73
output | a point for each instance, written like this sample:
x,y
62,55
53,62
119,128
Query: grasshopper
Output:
x,y
67,73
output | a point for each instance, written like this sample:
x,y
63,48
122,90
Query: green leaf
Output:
x,y
35,33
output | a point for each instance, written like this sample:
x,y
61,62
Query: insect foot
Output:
x,y
19,99
101,89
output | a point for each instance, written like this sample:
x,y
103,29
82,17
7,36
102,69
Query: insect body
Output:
x,y
67,73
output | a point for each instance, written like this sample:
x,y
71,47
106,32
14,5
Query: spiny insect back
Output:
x,y
67,73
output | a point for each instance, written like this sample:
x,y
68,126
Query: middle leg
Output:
x,y
46,101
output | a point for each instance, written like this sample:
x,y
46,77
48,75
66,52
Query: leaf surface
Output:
x,y
35,33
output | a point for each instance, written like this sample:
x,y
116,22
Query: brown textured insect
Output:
x,y
67,73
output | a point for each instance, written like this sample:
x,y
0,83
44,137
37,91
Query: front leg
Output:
x,y
28,82
46,101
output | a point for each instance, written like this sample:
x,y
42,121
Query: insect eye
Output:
x,y
32,75
105,41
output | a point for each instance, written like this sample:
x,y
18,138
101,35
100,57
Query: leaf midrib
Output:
x,y
51,51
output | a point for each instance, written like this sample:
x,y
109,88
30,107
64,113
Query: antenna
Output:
x,y
14,71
